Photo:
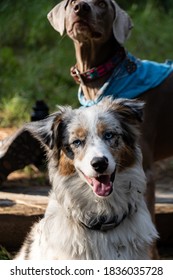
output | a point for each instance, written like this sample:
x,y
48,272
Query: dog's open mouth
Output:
x,y
102,185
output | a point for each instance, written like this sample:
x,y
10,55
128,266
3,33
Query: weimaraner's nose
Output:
x,y
82,8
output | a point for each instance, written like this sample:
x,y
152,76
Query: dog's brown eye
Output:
x,y
73,2
102,4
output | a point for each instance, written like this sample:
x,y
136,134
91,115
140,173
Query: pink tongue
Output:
x,y
102,185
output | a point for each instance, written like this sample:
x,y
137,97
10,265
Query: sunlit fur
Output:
x,y
73,205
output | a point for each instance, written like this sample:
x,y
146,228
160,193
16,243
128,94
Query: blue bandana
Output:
x,y
130,84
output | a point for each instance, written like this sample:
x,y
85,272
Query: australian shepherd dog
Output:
x,y
96,207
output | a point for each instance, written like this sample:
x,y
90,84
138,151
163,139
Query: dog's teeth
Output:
x,y
107,193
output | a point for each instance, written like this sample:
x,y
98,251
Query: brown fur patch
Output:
x,y
126,113
80,132
126,158
101,127
65,166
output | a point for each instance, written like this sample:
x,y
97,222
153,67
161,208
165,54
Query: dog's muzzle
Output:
x,y
102,185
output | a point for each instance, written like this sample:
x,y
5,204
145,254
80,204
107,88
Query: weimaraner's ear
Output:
x,y
122,24
56,17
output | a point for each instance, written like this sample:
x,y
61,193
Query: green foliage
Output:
x,y
165,5
13,110
4,255
35,60
24,23
151,37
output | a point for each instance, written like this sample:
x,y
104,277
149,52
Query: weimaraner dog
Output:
x,y
99,30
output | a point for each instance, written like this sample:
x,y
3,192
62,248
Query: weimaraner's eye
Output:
x,y
102,4
73,2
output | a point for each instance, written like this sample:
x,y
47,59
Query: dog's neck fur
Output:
x,y
89,54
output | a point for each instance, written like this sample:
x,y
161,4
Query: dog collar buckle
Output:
x,y
76,75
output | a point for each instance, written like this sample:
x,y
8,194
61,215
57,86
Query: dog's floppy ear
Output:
x,y
56,17
131,109
122,24
44,130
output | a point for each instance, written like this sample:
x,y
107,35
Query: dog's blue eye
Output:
x,y
77,143
108,135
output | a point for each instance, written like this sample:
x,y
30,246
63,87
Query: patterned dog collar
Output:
x,y
106,226
113,223
97,72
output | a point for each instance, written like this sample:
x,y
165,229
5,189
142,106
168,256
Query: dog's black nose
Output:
x,y
99,164
82,8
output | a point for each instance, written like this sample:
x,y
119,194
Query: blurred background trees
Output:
x,y
35,60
